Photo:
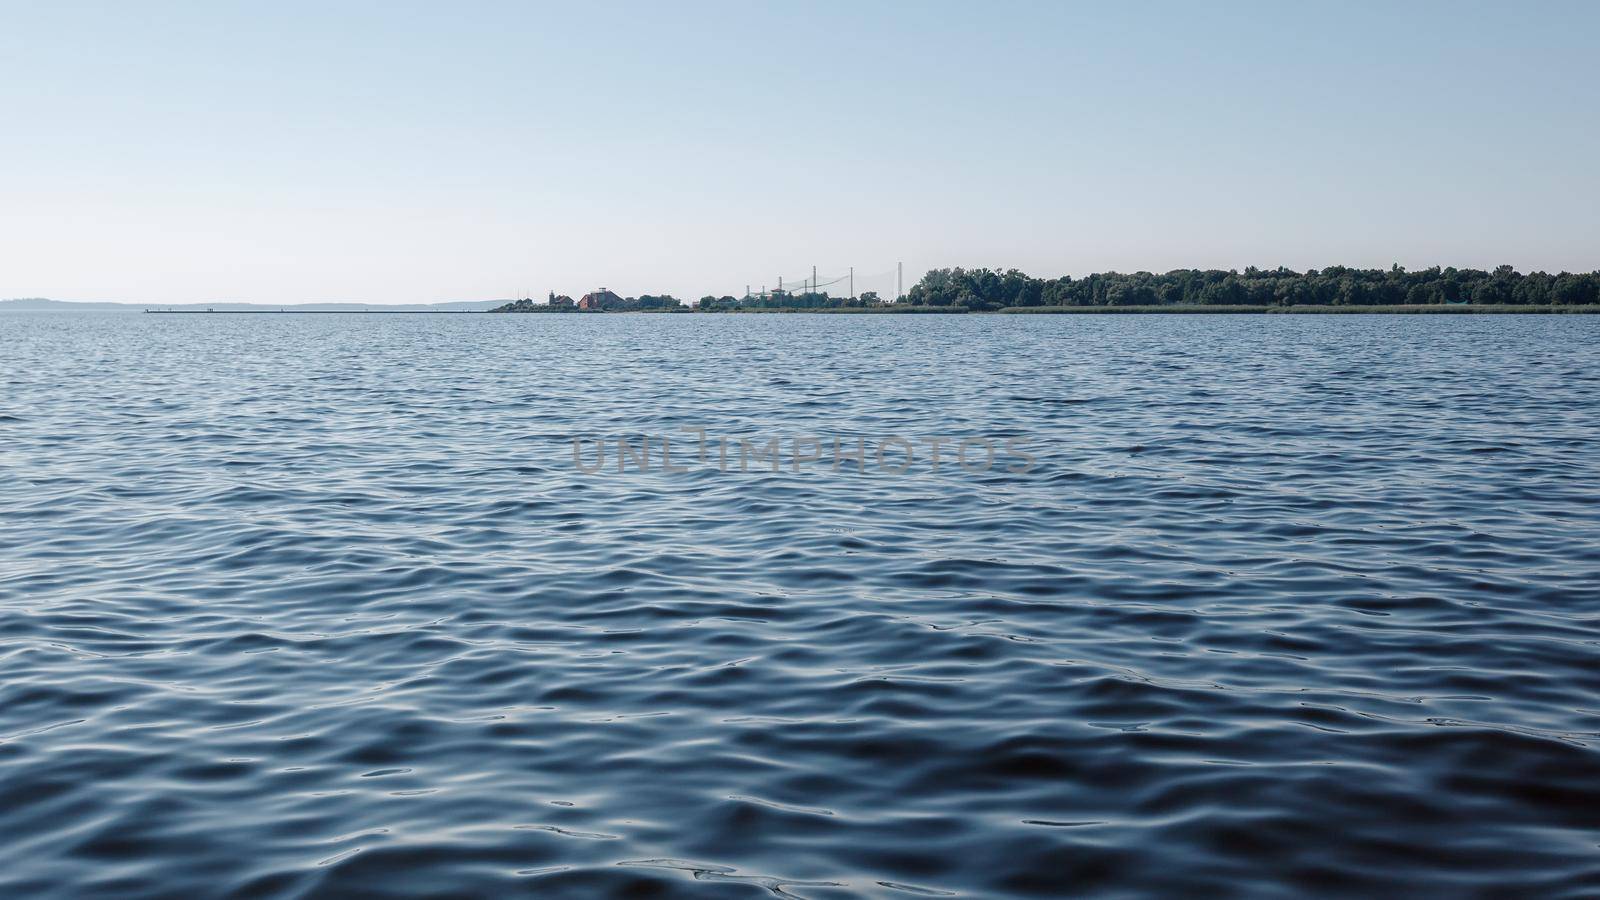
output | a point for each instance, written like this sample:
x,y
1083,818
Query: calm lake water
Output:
x,y
322,605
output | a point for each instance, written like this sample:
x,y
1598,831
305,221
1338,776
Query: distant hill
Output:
x,y
40,304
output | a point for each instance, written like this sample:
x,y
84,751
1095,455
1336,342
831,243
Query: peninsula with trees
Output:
x,y
1331,290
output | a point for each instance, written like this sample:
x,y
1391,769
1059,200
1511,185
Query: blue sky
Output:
x,y
402,152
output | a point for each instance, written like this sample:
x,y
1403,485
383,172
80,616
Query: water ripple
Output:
x,y
320,606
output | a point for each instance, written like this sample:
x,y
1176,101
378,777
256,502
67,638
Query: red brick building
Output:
x,y
601,299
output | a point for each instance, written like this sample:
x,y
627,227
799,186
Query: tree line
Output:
x,y
989,289
789,300
708,303
564,304
992,289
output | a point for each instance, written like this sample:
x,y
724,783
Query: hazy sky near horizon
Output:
x,y
410,152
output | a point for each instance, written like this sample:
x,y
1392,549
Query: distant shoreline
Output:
x,y
315,312
1428,309
1402,309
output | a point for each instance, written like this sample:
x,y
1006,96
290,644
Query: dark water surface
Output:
x,y
320,605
